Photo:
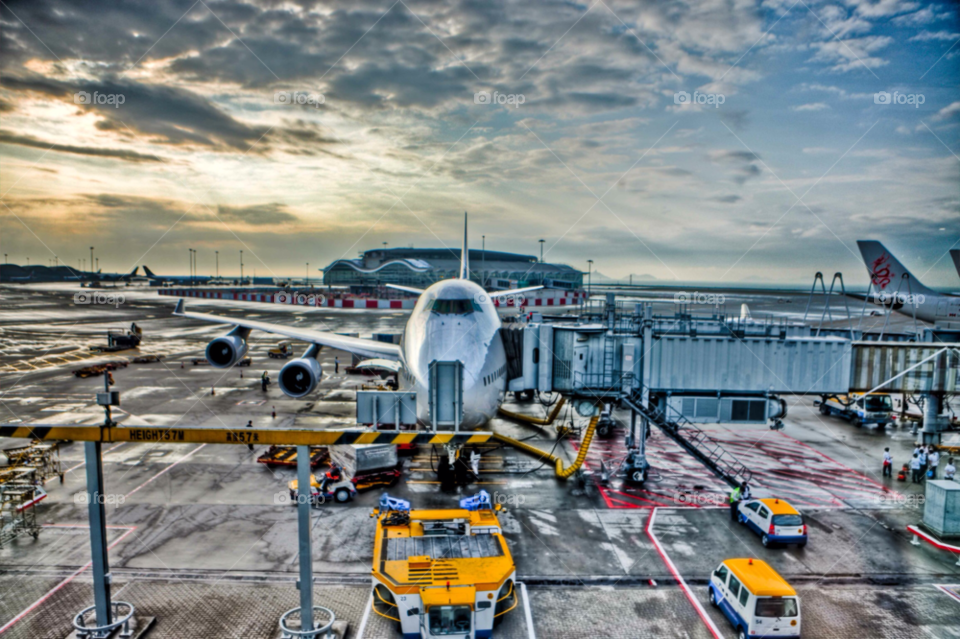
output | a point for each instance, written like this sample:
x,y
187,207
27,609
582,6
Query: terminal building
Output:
x,y
419,268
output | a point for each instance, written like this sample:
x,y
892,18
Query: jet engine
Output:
x,y
300,376
226,351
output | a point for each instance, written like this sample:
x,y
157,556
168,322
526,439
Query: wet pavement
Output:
x,y
203,538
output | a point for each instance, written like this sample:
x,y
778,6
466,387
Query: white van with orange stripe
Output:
x,y
755,599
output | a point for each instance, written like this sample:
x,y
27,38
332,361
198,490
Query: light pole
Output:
x,y
306,273
541,250
241,268
98,263
91,258
589,276
218,263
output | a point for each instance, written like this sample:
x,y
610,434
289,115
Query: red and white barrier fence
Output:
x,y
545,298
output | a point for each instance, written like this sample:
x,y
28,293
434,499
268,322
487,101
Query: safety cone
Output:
x,y
241,373
213,390
274,414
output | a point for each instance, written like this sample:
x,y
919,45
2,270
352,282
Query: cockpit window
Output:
x,y
455,307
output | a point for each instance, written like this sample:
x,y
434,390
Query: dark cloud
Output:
x,y
163,114
257,214
741,162
374,84
734,156
7,137
727,199
736,120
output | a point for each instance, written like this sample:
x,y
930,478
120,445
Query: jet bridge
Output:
x,y
676,371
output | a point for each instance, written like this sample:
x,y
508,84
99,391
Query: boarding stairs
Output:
x,y
695,441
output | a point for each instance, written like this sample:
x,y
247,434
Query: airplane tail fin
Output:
x,y
146,269
955,254
886,272
134,271
465,253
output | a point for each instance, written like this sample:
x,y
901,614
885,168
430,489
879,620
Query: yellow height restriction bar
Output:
x,y
279,437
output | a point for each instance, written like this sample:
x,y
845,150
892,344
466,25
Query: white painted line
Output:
x,y
945,589
527,613
366,617
712,627
83,463
63,583
184,458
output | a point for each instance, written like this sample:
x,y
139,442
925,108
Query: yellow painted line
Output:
x,y
369,438
404,439
442,438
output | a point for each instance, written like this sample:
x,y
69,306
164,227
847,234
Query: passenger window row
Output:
x,y
497,374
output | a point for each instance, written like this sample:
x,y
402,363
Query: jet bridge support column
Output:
x,y
933,422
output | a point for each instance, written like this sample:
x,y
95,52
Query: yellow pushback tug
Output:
x,y
442,573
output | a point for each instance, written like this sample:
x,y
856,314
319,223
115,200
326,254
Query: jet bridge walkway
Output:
x,y
695,441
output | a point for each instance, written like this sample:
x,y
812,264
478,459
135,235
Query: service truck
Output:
x,y
876,408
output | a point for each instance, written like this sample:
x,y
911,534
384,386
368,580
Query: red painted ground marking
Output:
x,y
712,627
63,583
948,590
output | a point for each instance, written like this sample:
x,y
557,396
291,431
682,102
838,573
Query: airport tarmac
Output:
x,y
203,538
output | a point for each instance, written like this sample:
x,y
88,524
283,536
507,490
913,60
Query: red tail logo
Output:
x,y
880,272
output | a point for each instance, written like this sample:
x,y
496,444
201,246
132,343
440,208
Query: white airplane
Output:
x,y
895,287
454,320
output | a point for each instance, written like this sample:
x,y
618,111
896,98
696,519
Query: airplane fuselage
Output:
x,y
455,320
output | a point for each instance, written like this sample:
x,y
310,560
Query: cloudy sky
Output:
x,y
721,140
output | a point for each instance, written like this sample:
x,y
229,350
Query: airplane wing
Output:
x,y
363,347
513,291
408,289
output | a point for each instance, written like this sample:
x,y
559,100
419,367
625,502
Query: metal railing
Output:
x,y
705,448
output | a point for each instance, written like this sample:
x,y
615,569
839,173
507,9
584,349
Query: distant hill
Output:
x,y
600,278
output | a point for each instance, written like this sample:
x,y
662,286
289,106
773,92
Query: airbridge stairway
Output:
x,y
695,441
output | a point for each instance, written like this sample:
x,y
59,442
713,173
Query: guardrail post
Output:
x,y
98,532
304,494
